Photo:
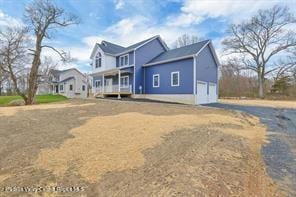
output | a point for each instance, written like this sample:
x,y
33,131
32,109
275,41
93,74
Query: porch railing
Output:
x,y
114,89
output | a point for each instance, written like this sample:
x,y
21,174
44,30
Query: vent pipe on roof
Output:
x,y
104,43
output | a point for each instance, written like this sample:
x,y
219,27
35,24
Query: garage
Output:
x,y
201,92
206,92
212,97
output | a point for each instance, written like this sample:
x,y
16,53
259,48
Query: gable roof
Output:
x,y
114,49
111,48
179,53
58,72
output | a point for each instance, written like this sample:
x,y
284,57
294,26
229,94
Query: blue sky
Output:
x,y
128,21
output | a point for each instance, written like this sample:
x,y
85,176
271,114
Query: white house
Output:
x,y
70,83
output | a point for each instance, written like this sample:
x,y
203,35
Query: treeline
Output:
x,y
238,82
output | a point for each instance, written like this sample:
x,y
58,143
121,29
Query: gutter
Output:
x,y
169,60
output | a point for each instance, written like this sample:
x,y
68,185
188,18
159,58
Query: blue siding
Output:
x,y
185,68
143,55
206,67
130,56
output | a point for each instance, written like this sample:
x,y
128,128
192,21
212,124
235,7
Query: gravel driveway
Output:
x,y
280,153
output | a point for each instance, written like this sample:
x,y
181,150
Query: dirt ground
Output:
x,y
262,103
120,148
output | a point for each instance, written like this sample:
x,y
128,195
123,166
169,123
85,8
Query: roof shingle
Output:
x,y
112,48
179,52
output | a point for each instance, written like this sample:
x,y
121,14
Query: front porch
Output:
x,y
115,82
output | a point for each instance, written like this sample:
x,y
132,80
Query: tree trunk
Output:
x,y
260,86
33,78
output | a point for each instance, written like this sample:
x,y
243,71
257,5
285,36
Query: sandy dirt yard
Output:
x,y
121,148
262,103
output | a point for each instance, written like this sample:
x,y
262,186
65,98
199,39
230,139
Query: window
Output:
x,y
124,81
123,60
156,80
175,78
71,87
98,60
83,87
97,83
61,87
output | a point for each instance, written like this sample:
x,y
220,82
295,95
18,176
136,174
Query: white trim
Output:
x,y
96,83
158,81
169,60
119,82
202,48
103,82
214,54
188,56
176,98
97,58
202,82
163,43
61,85
194,75
118,54
123,60
111,70
172,73
126,76
134,74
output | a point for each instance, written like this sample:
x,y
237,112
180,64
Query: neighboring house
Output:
x,y
70,83
149,69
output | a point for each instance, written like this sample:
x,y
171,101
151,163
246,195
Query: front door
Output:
x,y
108,85
56,89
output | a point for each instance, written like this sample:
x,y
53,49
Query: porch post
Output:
x,y
103,82
119,83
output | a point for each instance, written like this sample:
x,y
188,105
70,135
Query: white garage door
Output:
x,y
201,93
212,93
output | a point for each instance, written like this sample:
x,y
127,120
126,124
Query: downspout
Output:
x,y
134,86
194,77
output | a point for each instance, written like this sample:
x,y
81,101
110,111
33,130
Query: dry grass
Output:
x,y
10,111
262,103
121,148
116,143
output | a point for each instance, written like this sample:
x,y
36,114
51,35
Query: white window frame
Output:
x,y
97,83
126,55
123,85
98,60
158,81
172,81
71,85
61,89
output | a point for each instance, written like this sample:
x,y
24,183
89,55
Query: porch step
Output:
x,y
99,96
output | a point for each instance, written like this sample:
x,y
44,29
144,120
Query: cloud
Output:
x,y
136,28
8,21
119,4
195,11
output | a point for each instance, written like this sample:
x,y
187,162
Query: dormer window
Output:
x,y
98,60
124,60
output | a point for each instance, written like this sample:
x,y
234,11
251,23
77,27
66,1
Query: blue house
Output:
x,y
149,69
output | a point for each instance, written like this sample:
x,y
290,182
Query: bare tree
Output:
x,y
13,54
3,79
42,17
185,40
260,39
